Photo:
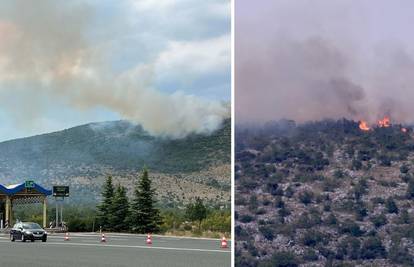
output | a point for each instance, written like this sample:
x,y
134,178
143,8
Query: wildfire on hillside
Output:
x,y
384,123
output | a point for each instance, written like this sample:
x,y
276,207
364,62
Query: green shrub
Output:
x,y
379,220
267,232
246,218
306,197
377,200
279,202
410,189
289,192
312,238
360,211
310,255
350,227
331,220
349,247
356,165
400,255
281,259
404,169
307,220
339,174
404,217
260,211
217,221
391,205
372,248
283,212
330,184
406,177
360,189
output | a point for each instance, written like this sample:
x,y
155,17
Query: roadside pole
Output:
x,y
60,192
57,214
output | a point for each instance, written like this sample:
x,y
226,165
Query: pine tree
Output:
x,y
104,209
145,217
119,210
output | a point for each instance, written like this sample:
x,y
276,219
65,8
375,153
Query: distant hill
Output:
x,y
85,154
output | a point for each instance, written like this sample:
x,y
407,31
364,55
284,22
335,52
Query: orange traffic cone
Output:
x,y
66,236
224,242
149,239
103,239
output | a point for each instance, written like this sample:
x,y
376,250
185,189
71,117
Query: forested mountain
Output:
x,y
82,156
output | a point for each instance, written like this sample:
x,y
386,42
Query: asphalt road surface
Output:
x,y
85,249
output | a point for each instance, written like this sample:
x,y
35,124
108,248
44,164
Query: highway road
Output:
x,y
85,249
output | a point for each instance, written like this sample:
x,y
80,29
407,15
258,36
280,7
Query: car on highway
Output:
x,y
27,231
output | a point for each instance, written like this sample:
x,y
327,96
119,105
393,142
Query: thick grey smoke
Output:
x,y
309,60
45,50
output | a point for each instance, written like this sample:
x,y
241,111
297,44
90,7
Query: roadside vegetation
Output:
x,y
140,213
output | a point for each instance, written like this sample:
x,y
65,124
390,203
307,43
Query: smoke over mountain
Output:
x,y
46,49
309,60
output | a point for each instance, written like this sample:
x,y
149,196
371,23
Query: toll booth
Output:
x,y
24,193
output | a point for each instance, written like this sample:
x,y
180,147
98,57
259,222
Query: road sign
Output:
x,y
60,191
29,184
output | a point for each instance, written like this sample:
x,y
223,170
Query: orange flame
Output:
x,y
385,122
363,125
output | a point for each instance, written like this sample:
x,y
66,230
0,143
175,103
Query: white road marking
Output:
x,y
144,235
87,238
146,247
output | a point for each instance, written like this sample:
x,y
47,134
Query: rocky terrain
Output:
x,y
324,194
83,156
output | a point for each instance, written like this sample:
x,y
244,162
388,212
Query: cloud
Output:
x,y
193,58
152,4
183,19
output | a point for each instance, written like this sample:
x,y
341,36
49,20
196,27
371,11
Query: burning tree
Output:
x,y
383,123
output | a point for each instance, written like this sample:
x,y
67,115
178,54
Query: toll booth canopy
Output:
x,y
23,193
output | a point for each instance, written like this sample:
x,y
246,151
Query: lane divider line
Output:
x,y
132,235
145,247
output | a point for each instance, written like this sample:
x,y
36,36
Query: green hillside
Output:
x,y
324,193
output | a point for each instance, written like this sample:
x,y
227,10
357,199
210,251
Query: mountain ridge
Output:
x,y
87,153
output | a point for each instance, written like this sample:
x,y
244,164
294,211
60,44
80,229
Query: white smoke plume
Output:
x,y
310,60
45,50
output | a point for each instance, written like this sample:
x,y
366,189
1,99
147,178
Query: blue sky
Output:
x,y
60,63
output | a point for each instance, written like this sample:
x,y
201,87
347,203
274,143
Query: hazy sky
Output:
x,y
314,59
162,63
